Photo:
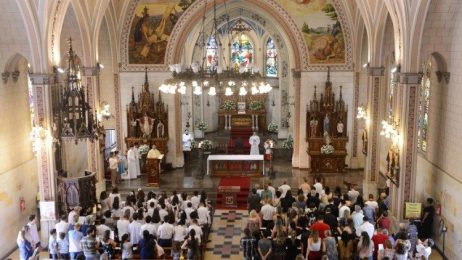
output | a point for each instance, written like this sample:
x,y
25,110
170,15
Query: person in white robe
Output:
x,y
155,154
131,161
254,141
187,145
138,157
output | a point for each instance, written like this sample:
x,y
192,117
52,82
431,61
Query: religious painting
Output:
x,y
320,28
151,28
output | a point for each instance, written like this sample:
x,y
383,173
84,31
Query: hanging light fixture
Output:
x,y
201,77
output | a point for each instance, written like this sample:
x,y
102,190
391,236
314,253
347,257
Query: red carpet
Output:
x,y
233,192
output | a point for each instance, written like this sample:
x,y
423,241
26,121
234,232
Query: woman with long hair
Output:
x,y
329,246
313,251
345,246
116,210
192,244
365,246
108,245
254,221
147,246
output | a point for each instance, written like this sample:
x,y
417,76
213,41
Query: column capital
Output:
x,y
410,78
42,79
376,71
443,75
297,73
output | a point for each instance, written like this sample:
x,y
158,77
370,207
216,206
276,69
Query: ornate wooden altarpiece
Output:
x,y
242,115
147,120
326,123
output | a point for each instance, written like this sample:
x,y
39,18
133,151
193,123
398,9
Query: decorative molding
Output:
x,y
375,71
118,111
297,74
375,119
355,121
443,75
42,79
410,142
410,78
15,75
5,76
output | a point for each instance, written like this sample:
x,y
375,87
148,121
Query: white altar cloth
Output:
x,y
234,157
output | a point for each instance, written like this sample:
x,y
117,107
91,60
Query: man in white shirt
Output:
x,y
135,229
342,208
283,189
33,231
267,212
365,226
357,217
165,233
123,223
272,190
204,216
151,228
188,210
113,168
318,186
102,228
353,194
372,203
74,212
195,200
305,187
194,225
62,226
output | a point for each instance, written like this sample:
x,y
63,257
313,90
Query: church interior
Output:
x,y
222,97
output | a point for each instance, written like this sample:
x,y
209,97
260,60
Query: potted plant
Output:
x,y
229,105
273,128
205,145
289,145
256,105
143,150
202,126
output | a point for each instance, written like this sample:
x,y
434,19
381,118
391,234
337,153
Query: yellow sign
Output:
x,y
412,210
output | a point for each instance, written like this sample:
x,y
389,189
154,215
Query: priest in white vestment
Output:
x,y
154,153
131,161
254,141
138,157
187,145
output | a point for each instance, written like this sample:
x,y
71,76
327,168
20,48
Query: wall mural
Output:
x,y
321,29
151,28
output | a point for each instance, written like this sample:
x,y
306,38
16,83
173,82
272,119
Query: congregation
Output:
x,y
319,223
144,226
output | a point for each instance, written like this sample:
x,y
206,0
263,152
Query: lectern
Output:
x,y
153,169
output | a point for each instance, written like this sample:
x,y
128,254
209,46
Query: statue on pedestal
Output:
x,y
313,127
326,124
340,128
146,123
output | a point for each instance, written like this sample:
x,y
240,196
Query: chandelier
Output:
x,y
76,119
216,79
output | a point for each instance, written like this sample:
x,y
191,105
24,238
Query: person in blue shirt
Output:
x,y
26,249
147,246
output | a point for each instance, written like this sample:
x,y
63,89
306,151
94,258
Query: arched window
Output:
x,y
424,104
241,51
271,68
212,53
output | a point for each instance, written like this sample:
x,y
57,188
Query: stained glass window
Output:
x,y
424,104
241,52
271,67
212,53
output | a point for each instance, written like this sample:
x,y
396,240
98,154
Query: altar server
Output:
x,y
131,158
254,141
137,161
187,145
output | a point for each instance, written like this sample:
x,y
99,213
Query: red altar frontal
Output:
x,y
233,192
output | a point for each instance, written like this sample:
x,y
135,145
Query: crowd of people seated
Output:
x,y
319,223
143,226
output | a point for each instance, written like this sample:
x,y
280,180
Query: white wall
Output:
x,y
439,172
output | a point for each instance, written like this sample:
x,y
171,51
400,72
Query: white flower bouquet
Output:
x,y
202,125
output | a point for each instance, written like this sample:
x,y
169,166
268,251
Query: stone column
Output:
x,y
408,94
297,76
371,172
41,84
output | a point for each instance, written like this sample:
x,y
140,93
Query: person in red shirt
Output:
x,y
379,238
320,226
384,221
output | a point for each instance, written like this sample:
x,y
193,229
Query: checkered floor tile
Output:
x,y
227,230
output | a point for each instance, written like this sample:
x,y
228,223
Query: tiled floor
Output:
x,y
226,234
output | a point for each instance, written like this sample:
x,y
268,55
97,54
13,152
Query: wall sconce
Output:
x,y
5,76
105,111
39,136
362,114
390,131
57,69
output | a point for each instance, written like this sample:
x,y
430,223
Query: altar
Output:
x,y
236,164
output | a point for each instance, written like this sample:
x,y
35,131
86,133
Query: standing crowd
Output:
x,y
151,226
318,223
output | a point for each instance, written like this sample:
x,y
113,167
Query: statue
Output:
x,y
364,138
340,128
313,127
146,123
326,124
160,129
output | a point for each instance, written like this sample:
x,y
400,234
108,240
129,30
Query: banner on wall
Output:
x,y
47,210
413,210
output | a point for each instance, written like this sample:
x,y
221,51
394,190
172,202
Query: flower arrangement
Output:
x,y
273,128
143,149
288,143
256,105
229,105
205,145
327,149
202,125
